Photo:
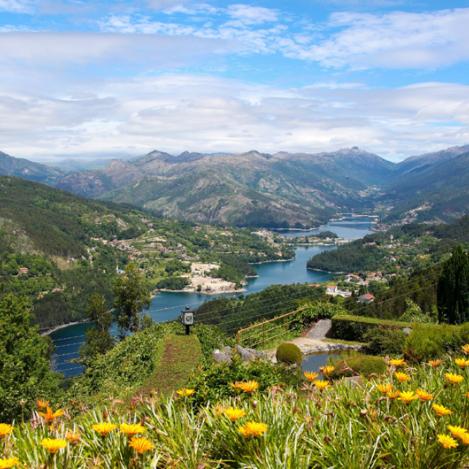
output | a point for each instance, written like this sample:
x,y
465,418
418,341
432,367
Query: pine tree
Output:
x,y
453,288
98,338
131,296
25,373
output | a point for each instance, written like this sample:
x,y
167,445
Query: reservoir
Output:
x,y
167,305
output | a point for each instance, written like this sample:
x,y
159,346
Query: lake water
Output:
x,y
167,306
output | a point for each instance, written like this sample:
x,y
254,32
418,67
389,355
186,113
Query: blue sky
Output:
x,y
100,79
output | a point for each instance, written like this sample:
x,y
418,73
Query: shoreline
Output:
x,y
166,290
62,326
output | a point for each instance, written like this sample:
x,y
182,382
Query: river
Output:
x,y
167,305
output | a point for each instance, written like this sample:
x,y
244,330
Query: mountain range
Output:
x,y
276,190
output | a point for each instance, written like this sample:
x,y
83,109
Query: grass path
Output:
x,y
178,356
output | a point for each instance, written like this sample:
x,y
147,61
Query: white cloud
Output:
x,y
392,40
248,14
201,113
16,6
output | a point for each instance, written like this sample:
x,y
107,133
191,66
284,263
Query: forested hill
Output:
x,y
58,248
399,248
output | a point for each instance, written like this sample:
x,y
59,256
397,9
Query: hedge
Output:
x,y
349,327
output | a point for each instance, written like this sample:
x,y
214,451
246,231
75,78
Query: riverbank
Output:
x,y
63,326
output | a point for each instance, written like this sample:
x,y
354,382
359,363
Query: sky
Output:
x,y
101,79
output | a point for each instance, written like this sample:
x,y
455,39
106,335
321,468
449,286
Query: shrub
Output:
x,y
349,327
428,341
358,363
382,341
289,354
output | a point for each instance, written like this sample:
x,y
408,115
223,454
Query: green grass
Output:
x,y
178,356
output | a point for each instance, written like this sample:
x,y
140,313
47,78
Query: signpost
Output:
x,y
187,318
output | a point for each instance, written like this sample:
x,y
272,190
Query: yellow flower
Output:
x,y
141,445
447,441
441,410
464,439
53,445
246,386
103,428
253,429
132,429
401,377
73,437
424,395
435,363
41,404
321,384
467,395
393,394
5,429
8,463
384,388
397,362
407,397
453,378
465,349
461,362
327,370
185,392
459,432
310,375
49,416
234,414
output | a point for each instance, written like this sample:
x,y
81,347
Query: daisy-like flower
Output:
x,y
435,363
8,463
141,445
447,441
104,428
42,404
465,349
73,437
397,362
453,378
459,432
401,377
424,395
5,429
234,414
441,410
384,388
327,370
185,392
246,386
253,429
393,394
321,384
53,445
461,362
407,397
132,429
311,375
50,416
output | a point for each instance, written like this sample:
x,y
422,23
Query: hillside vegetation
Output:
x,y
58,249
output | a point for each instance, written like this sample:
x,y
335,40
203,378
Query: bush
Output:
x,y
214,382
357,363
289,354
382,341
428,341
349,327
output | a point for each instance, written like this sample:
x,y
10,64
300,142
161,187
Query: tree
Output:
x,y
131,296
453,288
98,338
25,373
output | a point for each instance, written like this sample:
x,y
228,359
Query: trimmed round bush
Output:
x,y
289,354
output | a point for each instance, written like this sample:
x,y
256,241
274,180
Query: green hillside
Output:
x,y
57,248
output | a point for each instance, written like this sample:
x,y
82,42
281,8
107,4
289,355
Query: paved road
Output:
x,y
320,329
